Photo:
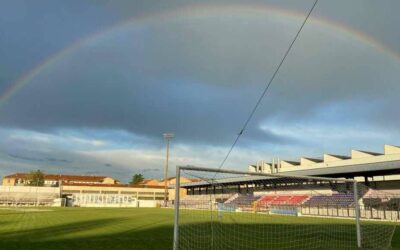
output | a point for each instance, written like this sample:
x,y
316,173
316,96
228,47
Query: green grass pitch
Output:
x,y
139,228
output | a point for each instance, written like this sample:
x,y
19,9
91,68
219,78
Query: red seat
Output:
x,y
283,199
266,199
297,199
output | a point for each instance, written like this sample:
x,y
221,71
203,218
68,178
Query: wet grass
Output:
x,y
152,228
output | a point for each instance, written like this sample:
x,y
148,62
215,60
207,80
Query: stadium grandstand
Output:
x,y
30,196
377,175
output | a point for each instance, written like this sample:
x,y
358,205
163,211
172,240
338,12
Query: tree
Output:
x,y
36,178
136,179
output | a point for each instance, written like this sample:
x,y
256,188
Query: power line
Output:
x,y
267,87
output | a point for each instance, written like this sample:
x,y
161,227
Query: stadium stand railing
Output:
x,y
29,196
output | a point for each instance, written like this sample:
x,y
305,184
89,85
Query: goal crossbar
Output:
x,y
275,175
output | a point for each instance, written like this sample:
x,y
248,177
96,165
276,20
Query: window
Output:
x,y
110,192
126,192
146,193
145,198
90,192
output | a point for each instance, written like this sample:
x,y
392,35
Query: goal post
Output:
x,y
176,207
228,209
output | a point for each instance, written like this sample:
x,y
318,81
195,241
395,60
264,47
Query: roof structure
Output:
x,y
360,164
343,157
369,169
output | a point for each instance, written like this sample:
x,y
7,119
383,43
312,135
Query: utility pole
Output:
x,y
167,137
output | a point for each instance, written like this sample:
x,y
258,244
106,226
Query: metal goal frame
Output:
x,y
216,170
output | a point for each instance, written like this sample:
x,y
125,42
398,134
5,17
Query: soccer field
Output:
x,y
101,228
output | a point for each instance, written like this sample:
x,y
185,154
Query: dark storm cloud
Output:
x,y
201,77
51,159
47,159
26,158
147,94
32,31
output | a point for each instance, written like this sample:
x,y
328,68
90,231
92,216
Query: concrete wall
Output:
x,y
289,165
137,192
171,193
305,162
389,149
147,203
262,167
376,214
333,158
109,180
8,181
356,154
138,203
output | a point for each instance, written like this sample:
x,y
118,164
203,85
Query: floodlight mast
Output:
x,y
167,137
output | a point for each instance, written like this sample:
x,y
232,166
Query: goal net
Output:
x,y
239,210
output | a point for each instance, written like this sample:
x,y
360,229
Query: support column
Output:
x,y
366,181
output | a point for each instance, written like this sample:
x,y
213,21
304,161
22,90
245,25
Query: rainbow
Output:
x,y
197,11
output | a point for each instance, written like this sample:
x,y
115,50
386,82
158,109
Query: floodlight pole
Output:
x,y
167,137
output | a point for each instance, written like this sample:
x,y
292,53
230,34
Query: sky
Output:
x,y
90,86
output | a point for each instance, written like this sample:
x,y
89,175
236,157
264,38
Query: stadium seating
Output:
x,y
202,201
341,200
243,200
298,199
27,199
282,199
266,200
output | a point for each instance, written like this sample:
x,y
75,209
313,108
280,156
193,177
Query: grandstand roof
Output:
x,y
348,171
344,157
369,152
292,162
314,159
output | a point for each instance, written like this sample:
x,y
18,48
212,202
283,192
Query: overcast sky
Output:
x,y
90,86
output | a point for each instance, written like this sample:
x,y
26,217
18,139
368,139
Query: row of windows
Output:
x,y
108,199
90,192
114,192
102,199
146,198
144,193
126,192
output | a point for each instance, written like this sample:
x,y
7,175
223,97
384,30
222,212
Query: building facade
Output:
x,y
78,190
53,180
